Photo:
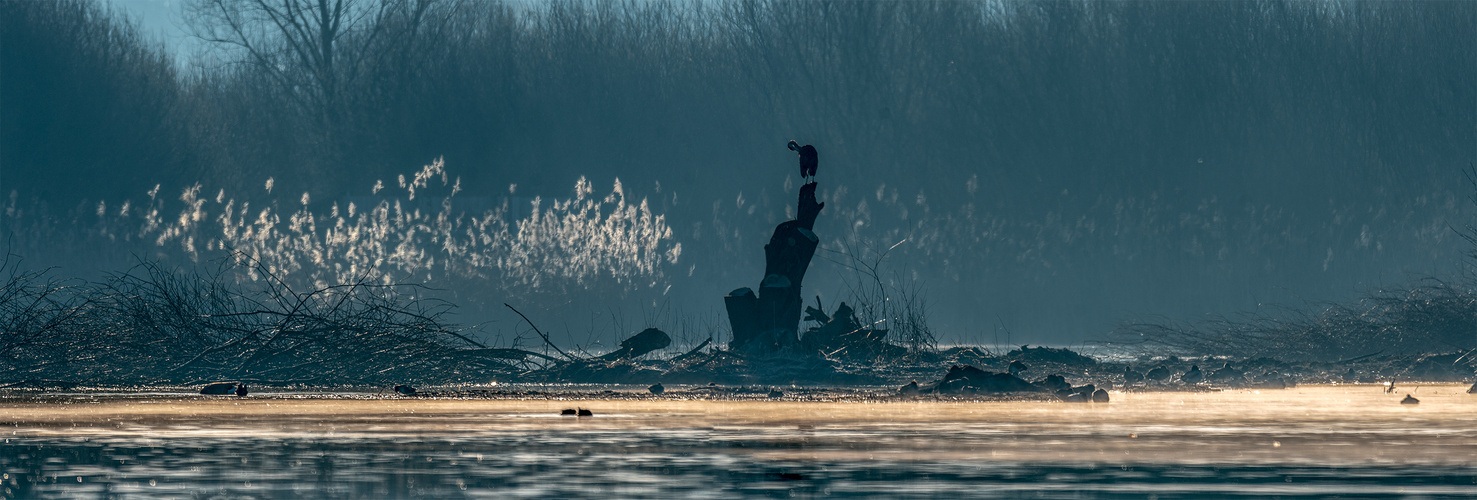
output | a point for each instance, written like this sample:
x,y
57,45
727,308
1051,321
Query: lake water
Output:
x,y
1313,441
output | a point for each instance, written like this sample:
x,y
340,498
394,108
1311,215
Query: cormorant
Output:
x,y
657,388
241,391
1410,400
808,159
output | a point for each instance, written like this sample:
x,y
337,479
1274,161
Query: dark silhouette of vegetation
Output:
x,y
1023,144
362,90
153,325
86,97
1427,316
767,322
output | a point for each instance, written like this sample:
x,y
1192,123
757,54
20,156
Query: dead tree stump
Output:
x,y
769,321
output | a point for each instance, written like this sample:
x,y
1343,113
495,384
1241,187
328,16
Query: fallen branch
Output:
x,y
694,351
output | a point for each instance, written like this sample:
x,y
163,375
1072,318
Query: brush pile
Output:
x,y
1430,316
153,325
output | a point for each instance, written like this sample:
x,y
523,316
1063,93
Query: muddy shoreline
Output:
x,y
719,375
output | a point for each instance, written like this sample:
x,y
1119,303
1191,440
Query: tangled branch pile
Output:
x,y
156,325
1430,316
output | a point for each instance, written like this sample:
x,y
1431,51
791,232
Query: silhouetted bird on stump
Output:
x,y
808,159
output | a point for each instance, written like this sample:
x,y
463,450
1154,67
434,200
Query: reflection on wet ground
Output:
x,y
1322,441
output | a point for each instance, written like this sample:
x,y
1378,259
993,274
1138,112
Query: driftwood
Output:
x,y
841,336
648,340
694,352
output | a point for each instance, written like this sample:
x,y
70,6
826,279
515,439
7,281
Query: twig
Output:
x,y
541,334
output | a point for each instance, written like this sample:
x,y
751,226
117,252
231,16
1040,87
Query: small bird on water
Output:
x,y
909,390
808,159
1410,400
1194,376
1131,377
241,391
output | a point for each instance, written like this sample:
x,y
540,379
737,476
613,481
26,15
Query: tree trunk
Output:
x,y
769,322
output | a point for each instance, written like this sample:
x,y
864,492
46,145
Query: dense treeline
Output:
x,y
1037,94
1020,147
89,104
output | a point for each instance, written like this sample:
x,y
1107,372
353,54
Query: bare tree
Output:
x,y
313,49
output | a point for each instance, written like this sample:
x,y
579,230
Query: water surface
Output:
x,y
1314,441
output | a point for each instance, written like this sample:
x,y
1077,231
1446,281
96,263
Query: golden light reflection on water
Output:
x,y
1323,423
1251,433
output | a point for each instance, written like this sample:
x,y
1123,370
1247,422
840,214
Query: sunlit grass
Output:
x,y
402,237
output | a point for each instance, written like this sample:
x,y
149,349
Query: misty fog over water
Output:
x,y
1040,171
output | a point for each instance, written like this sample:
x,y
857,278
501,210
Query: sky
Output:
x,y
160,18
